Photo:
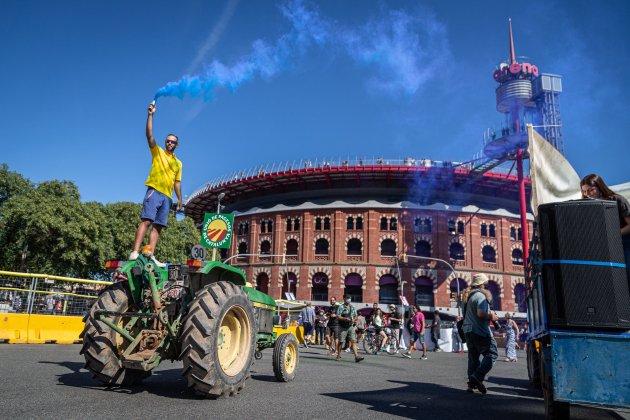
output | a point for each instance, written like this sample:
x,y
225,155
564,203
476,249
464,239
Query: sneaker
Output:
x,y
133,256
424,357
478,384
156,262
358,359
407,355
437,350
348,350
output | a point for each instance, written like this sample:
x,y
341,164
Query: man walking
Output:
x,y
308,321
347,316
165,176
479,339
417,333
395,319
435,330
331,326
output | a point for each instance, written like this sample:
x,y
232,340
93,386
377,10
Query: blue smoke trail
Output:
x,y
406,51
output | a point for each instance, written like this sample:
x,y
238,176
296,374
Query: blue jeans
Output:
x,y
480,346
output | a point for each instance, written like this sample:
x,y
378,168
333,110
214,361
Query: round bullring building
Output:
x,y
345,228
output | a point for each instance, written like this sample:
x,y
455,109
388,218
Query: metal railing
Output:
x,y
28,293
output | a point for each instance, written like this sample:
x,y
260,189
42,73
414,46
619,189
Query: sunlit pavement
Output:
x,y
48,381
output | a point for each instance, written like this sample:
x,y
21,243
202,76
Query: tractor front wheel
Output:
x,y
285,357
218,340
102,346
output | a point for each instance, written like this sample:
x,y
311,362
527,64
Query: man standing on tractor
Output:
x,y
165,176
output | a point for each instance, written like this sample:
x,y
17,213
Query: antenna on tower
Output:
x,y
512,54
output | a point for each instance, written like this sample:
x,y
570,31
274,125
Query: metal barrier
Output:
x,y
28,293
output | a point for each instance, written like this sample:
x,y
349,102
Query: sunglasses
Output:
x,y
171,142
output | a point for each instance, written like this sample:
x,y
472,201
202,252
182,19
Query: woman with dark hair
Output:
x,y
593,186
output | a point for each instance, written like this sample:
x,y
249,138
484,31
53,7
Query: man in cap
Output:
x,y
347,317
477,318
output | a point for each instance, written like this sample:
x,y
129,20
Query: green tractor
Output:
x,y
202,314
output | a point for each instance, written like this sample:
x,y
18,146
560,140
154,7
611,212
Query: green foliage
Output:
x,y
45,228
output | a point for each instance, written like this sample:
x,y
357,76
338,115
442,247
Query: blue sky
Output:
x,y
293,81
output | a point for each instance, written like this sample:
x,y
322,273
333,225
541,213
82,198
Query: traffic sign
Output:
x,y
198,252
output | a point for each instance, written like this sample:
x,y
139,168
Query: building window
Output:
x,y
326,223
263,227
456,251
519,234
494,289
388,248
269,226
296,225
488,254
265,247
460,227
350,223
484,229
289,284
289,225
262,283
319,292
354,246
318,223
453,287
292,247
242,248
424,291
417,225
353,287
520,298
359,224
493,230
393,224
321,247
423,249
388,290
517,256
513,233
383,223
451,226
426,228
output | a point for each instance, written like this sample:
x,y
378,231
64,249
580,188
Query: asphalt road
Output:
x,y
48,381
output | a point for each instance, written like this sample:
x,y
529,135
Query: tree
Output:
x,y
11,184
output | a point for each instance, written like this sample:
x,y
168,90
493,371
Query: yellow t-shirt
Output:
x,y
165,170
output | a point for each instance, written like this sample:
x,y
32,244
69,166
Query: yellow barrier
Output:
x,y
14,328
37,329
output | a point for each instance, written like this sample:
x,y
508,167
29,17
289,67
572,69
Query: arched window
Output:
x,y
318,223
424,291
393,223
321,247
383,223
296,224
493,231
354,246
388,248
494,289
353,287
246,228
520,298
326,223
262,283
519,234
517,256
451,226
289,225
417,224
269,226
359,224
265,247
292,247
350,223
240,228
484,229
460,227
388,290
427,226
513,233
242,248
263,227
320,287
453,288
289,284
488,254
423,249
456,251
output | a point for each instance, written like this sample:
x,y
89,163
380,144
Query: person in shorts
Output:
x,y
331,326
164,177
346,318
417,333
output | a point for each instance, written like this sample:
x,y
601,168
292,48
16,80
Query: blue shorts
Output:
x,y
156,207
415,335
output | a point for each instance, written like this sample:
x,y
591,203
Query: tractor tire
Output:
x,y
285,357
102,346
218,340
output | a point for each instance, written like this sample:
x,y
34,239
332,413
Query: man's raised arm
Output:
x,y
150,138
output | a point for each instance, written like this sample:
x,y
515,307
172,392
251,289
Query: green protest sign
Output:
x,y
216,231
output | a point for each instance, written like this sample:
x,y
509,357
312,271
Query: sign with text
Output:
x,y
216,231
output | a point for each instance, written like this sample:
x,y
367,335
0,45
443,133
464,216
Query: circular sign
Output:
x,y
216,230
198,252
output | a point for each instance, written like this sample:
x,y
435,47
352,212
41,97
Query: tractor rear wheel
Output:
x,y
218,340
102,346
285,357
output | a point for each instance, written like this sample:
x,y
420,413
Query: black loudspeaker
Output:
x,y
584,279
